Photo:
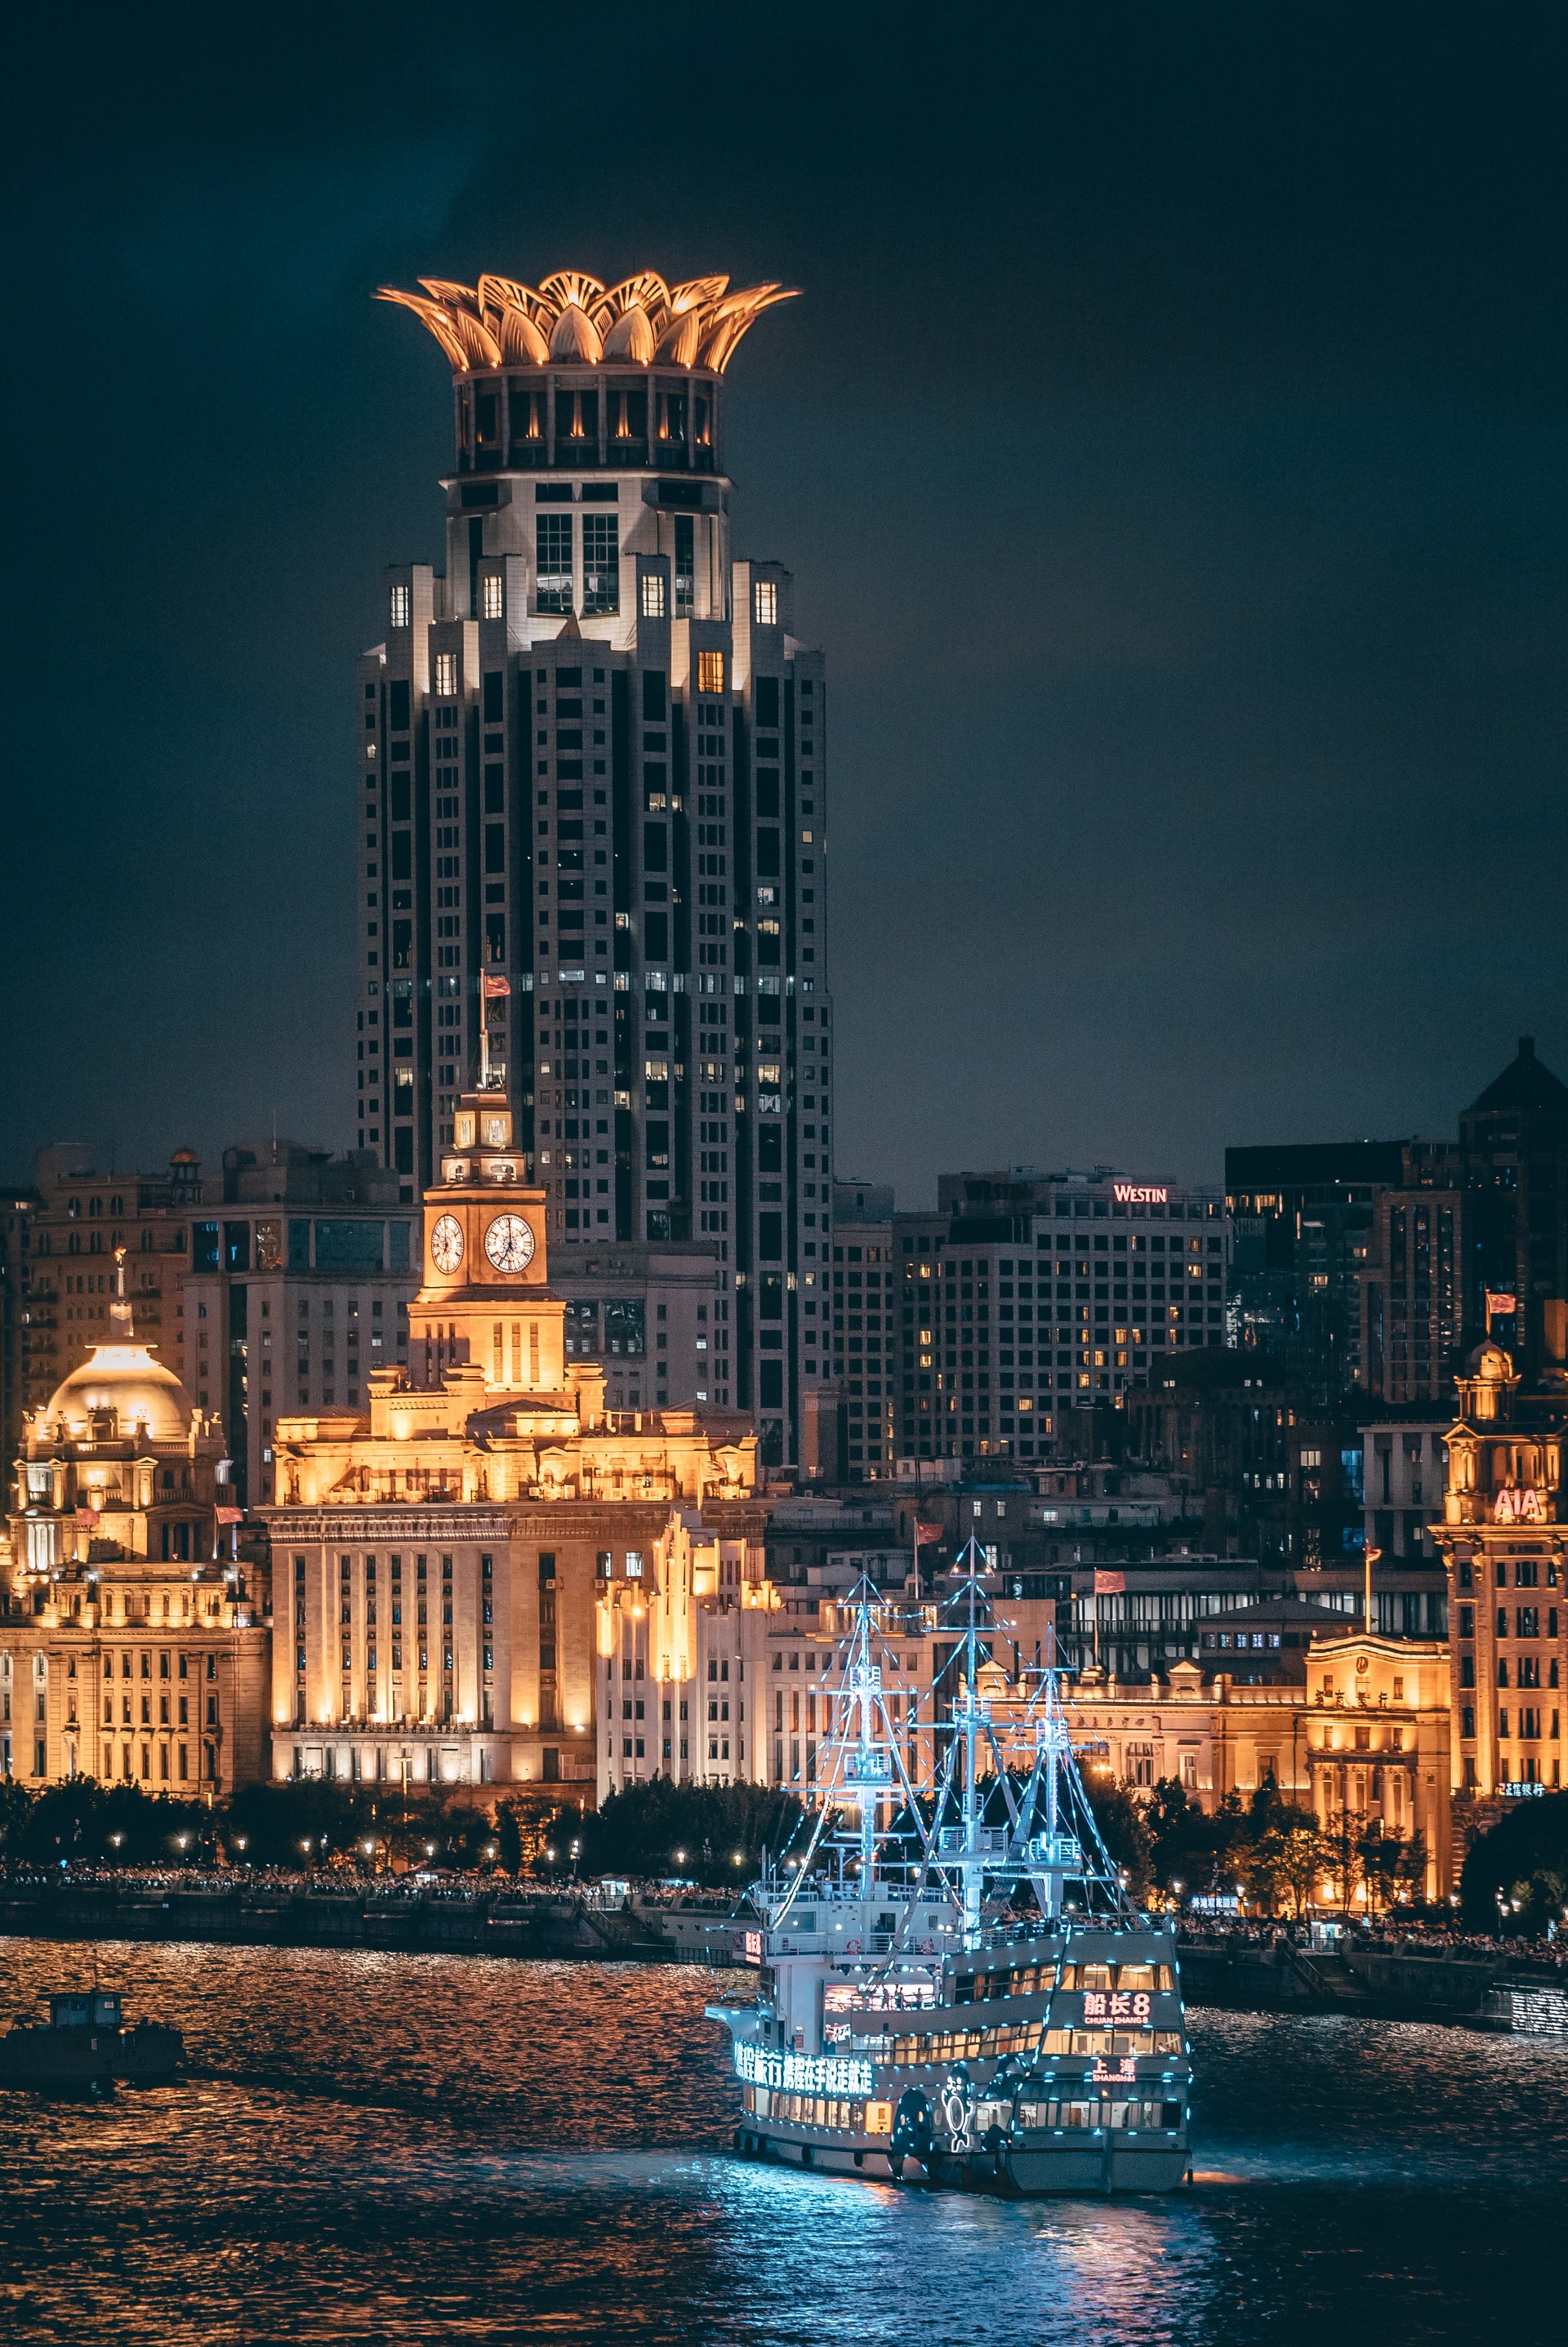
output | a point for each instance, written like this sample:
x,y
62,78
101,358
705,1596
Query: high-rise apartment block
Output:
x,y
593,789
968,1332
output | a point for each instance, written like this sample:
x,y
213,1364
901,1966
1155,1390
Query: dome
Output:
x,y
127,1380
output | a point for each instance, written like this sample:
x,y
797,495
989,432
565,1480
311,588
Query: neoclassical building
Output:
x,y
1504,1542
486,1578
130,1648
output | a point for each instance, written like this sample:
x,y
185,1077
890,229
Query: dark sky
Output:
x,y
1168,445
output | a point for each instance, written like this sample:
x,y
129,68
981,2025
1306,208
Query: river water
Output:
x,y
428,2148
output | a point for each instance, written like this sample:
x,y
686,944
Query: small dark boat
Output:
x,y
87,2046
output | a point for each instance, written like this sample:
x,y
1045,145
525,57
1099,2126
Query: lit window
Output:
x,y
710,672
400,606
685,565
656,1071
633,1568
445,674
492,606
653,595
766,602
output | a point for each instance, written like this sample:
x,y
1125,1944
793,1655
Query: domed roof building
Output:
x,y
121,1388
117,1575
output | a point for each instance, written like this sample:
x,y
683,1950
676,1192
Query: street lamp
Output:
x,y
680,1858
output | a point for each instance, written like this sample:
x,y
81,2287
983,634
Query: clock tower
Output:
x,y
483,1301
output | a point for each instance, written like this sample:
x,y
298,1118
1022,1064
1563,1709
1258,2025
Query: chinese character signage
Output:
x,y
1116,2004
801,2073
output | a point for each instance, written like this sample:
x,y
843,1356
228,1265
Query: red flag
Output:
x,y
924,1533
1500,1306
489,985
230,1515
88,1516
1109,1585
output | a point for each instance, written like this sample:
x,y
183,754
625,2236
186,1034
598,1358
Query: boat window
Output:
x,y
1094,1976
1135,1976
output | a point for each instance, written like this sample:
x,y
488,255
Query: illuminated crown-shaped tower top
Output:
x,y
573,374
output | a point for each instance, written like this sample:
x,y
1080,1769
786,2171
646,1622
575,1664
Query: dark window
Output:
x,y
655,847
767,703
553,572
493,701
398,700
767,852
653,696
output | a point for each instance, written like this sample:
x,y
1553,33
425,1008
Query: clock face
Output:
x,y
446,1243
509,1243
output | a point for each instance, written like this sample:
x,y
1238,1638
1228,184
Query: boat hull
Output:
x,y
1020,2173
85,2059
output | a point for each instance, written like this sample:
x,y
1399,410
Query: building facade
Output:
x,y
278,1283
592,775
1031,1296
130,1648
1503,1544
1304,1217
461,1565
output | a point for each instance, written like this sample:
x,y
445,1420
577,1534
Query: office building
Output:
x,y
592,781
1303,1218
1027,1295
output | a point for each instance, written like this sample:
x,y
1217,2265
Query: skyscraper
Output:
x,y
593,777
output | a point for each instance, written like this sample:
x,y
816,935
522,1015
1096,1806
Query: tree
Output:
x,y
15,1805
1287,1860
1343,1841
508,1837
1123,1831
1524,1858
276,1822
640,1830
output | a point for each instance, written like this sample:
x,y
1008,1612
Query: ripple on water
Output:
x,y
429,2148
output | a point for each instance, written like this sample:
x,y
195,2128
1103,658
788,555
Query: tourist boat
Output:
x,y
953,1986
85,2045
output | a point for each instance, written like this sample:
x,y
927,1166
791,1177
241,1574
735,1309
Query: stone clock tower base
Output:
x,y
484,1304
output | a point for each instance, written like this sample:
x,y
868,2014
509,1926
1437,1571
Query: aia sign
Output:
x,y
1513,1505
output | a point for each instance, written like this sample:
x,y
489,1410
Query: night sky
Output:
x,y
1168,447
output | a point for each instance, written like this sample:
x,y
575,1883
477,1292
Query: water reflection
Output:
x,y
429,2148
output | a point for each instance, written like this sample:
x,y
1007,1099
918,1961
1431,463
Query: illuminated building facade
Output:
x,y
479,1572
1502,1542
277,1284
130,1649
592,777
1026,1295
1379,1746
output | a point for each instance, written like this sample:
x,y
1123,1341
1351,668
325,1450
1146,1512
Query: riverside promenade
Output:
x,y
328,1911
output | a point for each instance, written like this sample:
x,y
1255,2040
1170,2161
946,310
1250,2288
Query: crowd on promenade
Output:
x,y
252,1881
1387,1937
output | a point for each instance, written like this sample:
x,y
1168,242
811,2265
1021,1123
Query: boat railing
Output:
x,y
988,1842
